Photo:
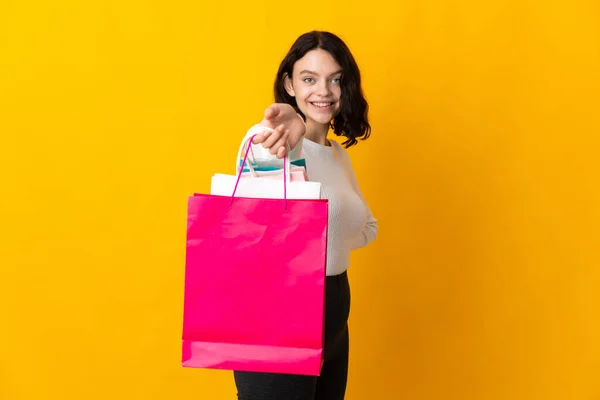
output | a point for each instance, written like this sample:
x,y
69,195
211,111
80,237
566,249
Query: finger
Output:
x,y
258,139
281,152
273,111
262,135
273,137
279,144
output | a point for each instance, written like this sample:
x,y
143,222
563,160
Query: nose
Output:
x,y
323,88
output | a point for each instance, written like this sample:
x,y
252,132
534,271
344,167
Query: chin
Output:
x,y
320,119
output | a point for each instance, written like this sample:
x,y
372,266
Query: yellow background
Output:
x,y
483,171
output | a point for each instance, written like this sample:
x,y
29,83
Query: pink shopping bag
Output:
x,y
255,283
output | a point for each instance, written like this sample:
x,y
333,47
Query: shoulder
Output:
x,y
340,151
338,147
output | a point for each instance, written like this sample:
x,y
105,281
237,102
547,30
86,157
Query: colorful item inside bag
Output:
x,y
296,174
271,168
257,186
267,166
255,276
263,166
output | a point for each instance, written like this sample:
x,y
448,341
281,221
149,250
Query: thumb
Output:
x,y
273,111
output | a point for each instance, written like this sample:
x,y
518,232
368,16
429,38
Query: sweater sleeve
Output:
x,y
369,231
371,227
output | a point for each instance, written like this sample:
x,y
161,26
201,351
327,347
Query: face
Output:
x,y
315,84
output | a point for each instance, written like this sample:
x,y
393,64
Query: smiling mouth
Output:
x,y
321,104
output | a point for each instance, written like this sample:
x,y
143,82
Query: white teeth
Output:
x,y
322,104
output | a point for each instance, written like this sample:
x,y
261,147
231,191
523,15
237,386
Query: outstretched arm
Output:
x,y
287,125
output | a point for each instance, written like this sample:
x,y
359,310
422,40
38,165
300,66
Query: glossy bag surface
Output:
x,y
255,282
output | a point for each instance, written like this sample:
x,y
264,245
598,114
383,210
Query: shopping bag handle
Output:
x,y
250,134
286,172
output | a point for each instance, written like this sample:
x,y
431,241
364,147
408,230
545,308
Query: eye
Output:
x,y
337,80
308,80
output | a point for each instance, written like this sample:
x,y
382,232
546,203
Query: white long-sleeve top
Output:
x,y
351,223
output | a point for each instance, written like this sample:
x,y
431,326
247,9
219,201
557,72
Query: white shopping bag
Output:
x,y
266,188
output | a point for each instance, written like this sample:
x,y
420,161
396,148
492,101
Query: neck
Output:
x,y
316,132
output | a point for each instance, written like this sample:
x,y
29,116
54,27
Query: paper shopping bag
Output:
x,y
257,186
255,280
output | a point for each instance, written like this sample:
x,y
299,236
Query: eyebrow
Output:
x,y
314,73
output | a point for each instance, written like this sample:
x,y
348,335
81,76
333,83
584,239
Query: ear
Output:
x,y
287,84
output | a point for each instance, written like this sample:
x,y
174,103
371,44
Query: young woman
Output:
x,y
318,89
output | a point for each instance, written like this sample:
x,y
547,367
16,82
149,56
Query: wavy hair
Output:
x,y
352,120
